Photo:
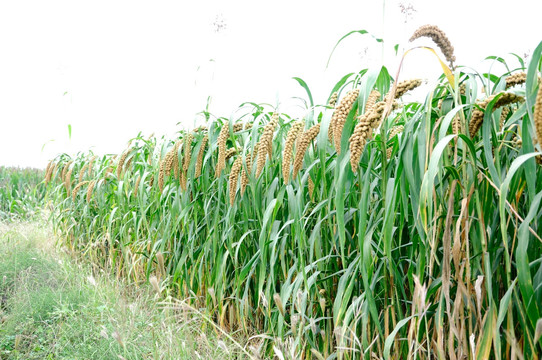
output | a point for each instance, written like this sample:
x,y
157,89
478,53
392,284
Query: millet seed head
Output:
x,y
265,143
234,176
478,114
222,139
90,189
301,148
439,37
230,152
77,187
515,79
333,99
339,117
201,152
288,151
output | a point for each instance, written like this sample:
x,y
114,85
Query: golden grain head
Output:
x,y
288,151
405,86
230,152
456,125
358,139
234,176
120,164
333,98
389,152
82,172
311,187
249,159
68,179
176,166
439,37
340,115
395,131
515,79
136,185
301,148
65,170
477,117
201,152
77,187
187,150
91,165
265,143
90,189
222,139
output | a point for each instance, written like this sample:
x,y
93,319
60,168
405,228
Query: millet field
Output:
x,y
373,227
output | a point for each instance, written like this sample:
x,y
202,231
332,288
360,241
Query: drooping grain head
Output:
x,y
120,164
91,165
311,187
187,151
405,86
201,152
504,115
161,174
234,176
439,37
265,143
68,179
222,139
477,117
301,148
136,186
82,172
338,118
395,131
249,159
230,152
288,151
65,170
333,99
389,152
515,79
241,126
456,125
90,189
371,101
77,187
176,166
49,172
363,131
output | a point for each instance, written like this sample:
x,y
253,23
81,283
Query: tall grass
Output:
x,y
430,249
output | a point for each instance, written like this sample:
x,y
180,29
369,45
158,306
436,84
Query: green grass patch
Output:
x,y
54,308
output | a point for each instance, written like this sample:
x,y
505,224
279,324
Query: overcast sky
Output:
x,y
110,69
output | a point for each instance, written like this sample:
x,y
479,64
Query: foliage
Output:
x,y
431,249
21,193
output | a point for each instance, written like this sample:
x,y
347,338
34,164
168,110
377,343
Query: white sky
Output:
x,y
113,68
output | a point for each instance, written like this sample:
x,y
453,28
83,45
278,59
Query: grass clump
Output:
x,y
53,308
